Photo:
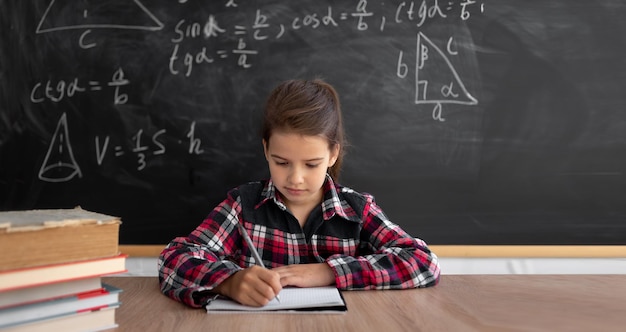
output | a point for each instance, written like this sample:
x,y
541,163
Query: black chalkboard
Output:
x,y
471,121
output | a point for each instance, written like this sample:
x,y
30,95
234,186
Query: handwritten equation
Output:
x,y
262,28
215,33
56,92
60,165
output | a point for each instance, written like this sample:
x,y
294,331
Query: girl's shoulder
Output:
x,y
349,192
249,189
352,197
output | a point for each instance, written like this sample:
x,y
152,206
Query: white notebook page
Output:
x,y
290,299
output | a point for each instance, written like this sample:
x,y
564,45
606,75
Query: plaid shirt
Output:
x,y
349,232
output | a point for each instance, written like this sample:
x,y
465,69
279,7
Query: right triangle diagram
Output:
x,y
436,79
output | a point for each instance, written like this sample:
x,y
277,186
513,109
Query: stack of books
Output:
x,y
51,270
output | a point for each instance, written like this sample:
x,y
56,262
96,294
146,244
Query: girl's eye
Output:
x,y
286,163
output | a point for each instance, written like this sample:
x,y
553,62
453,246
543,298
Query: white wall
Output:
x,y
451,265
146,266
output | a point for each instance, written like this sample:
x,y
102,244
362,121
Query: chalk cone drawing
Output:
x,y
59,164
90,14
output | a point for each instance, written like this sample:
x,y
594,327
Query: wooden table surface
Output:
x,y
458,303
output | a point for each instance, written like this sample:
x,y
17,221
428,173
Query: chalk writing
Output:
x,y
430,88
194,143
60,165
425,12
48,23
142,149
57,91
465,6
429,64
435,87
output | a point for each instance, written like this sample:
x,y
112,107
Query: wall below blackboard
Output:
x,y
454,265
472,259
471,122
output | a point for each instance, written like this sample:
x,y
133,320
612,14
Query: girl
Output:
x,y
308,229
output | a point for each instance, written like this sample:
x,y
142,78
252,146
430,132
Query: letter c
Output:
x,y
82,38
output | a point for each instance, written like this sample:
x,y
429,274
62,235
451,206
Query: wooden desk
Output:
x,y
458,303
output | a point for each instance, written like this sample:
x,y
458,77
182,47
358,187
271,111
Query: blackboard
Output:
x,y
471,121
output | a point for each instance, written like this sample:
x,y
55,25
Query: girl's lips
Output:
x,y
295,191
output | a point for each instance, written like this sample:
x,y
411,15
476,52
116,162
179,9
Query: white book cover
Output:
x,y
108,296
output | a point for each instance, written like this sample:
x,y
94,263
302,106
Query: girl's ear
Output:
x,y
334,154
265,149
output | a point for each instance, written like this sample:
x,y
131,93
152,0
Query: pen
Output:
x,y
255,253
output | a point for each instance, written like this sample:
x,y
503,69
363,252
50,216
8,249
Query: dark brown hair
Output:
x,y
306,107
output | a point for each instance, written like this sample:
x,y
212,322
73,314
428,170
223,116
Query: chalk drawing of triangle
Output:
x,y
436,79
91,14
59,164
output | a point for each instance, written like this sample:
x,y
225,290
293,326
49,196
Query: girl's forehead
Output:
x,y
289,145
287,136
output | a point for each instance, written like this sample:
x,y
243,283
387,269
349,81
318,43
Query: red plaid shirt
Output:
x,y
349,232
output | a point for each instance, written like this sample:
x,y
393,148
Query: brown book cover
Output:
x,y
50,236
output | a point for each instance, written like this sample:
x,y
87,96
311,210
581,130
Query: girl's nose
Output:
x,y
296,175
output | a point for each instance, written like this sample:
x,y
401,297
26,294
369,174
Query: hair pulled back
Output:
x,y
306,107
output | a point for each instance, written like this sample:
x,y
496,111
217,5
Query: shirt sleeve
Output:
x,y
190,267
395,260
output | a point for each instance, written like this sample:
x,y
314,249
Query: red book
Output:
x,y
49,274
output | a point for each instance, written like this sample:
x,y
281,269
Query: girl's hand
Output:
x,y
254,286
306,275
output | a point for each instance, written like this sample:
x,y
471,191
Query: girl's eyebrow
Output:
x,y
308,160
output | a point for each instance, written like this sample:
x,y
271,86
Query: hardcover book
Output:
x,y
106,297
94,320
48,292
49,274
43,237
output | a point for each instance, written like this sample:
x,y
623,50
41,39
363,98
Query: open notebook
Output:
x,y
294,300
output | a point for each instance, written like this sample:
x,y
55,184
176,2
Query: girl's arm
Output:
x,y
191,267
394,259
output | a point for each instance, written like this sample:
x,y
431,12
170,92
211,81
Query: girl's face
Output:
x,y
298,166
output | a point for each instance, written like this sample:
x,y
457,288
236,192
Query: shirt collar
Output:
x,y
269,194
331,204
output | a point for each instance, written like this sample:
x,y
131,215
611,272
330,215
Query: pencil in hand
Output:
x,y
255,253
